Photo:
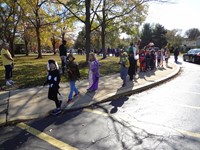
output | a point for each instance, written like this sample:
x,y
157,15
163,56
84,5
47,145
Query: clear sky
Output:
x,y
183,14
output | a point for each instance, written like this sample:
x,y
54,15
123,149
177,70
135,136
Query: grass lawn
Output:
x,y
30,72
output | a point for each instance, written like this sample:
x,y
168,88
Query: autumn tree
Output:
x,y
9,18
193,33
174,37
128,15
38,14
81,10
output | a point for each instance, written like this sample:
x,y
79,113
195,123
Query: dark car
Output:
x,y
192,55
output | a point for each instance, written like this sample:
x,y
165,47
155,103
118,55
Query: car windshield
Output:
x,y
197,51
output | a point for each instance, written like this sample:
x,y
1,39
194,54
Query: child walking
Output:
x,y
74,75
124,68
142,61
159,57
53,79
167,56
93,73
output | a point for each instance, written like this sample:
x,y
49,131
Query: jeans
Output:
x,y
72,89
176,58
63,63
8,72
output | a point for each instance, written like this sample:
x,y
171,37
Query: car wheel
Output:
x,y
184,59
193,60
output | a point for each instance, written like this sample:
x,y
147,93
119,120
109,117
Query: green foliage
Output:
x,y
174,37
112,39
193,33
146,35
155,34
159,36
80,41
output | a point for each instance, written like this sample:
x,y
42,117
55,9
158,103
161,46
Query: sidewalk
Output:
x,y
32,103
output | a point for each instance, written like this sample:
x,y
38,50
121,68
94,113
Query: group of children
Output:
x,y
151,59
130,62
145,60
53,79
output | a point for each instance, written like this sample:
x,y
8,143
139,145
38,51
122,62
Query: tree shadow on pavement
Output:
x,y
117,103
21,139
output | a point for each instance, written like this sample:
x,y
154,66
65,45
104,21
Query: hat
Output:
x,y
50,61
71,55
125,53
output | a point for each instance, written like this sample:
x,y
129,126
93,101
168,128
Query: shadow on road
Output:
x,y
117,103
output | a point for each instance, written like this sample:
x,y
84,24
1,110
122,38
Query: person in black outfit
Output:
x,y
63,55
131,69
176,53
153,60
53,79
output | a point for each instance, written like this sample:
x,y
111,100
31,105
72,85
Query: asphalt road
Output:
x,y
164,117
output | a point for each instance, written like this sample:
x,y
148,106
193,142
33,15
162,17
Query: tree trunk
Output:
x,y
53,42
38,42
11,45
103,28
63,36
26,47
87,28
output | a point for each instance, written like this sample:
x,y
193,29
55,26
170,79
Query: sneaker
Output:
x,y
90,91
56,111
60,103
76,94
69,101
11,82
123,85
8,83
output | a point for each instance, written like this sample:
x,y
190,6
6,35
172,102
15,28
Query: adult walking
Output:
x,y
8,63
63,55
132,49
176,53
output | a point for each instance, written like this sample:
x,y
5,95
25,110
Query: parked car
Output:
x,y
192,55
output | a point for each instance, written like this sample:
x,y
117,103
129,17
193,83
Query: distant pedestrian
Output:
x,y
93,73
53,79
74,75
148,60
132,65
124,68
159,57
8,63
176,53
63,55
153,60
120,55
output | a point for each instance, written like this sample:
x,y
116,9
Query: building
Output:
x,y
191,43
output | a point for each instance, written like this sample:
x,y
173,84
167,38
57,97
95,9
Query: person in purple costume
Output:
x,y
93,73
